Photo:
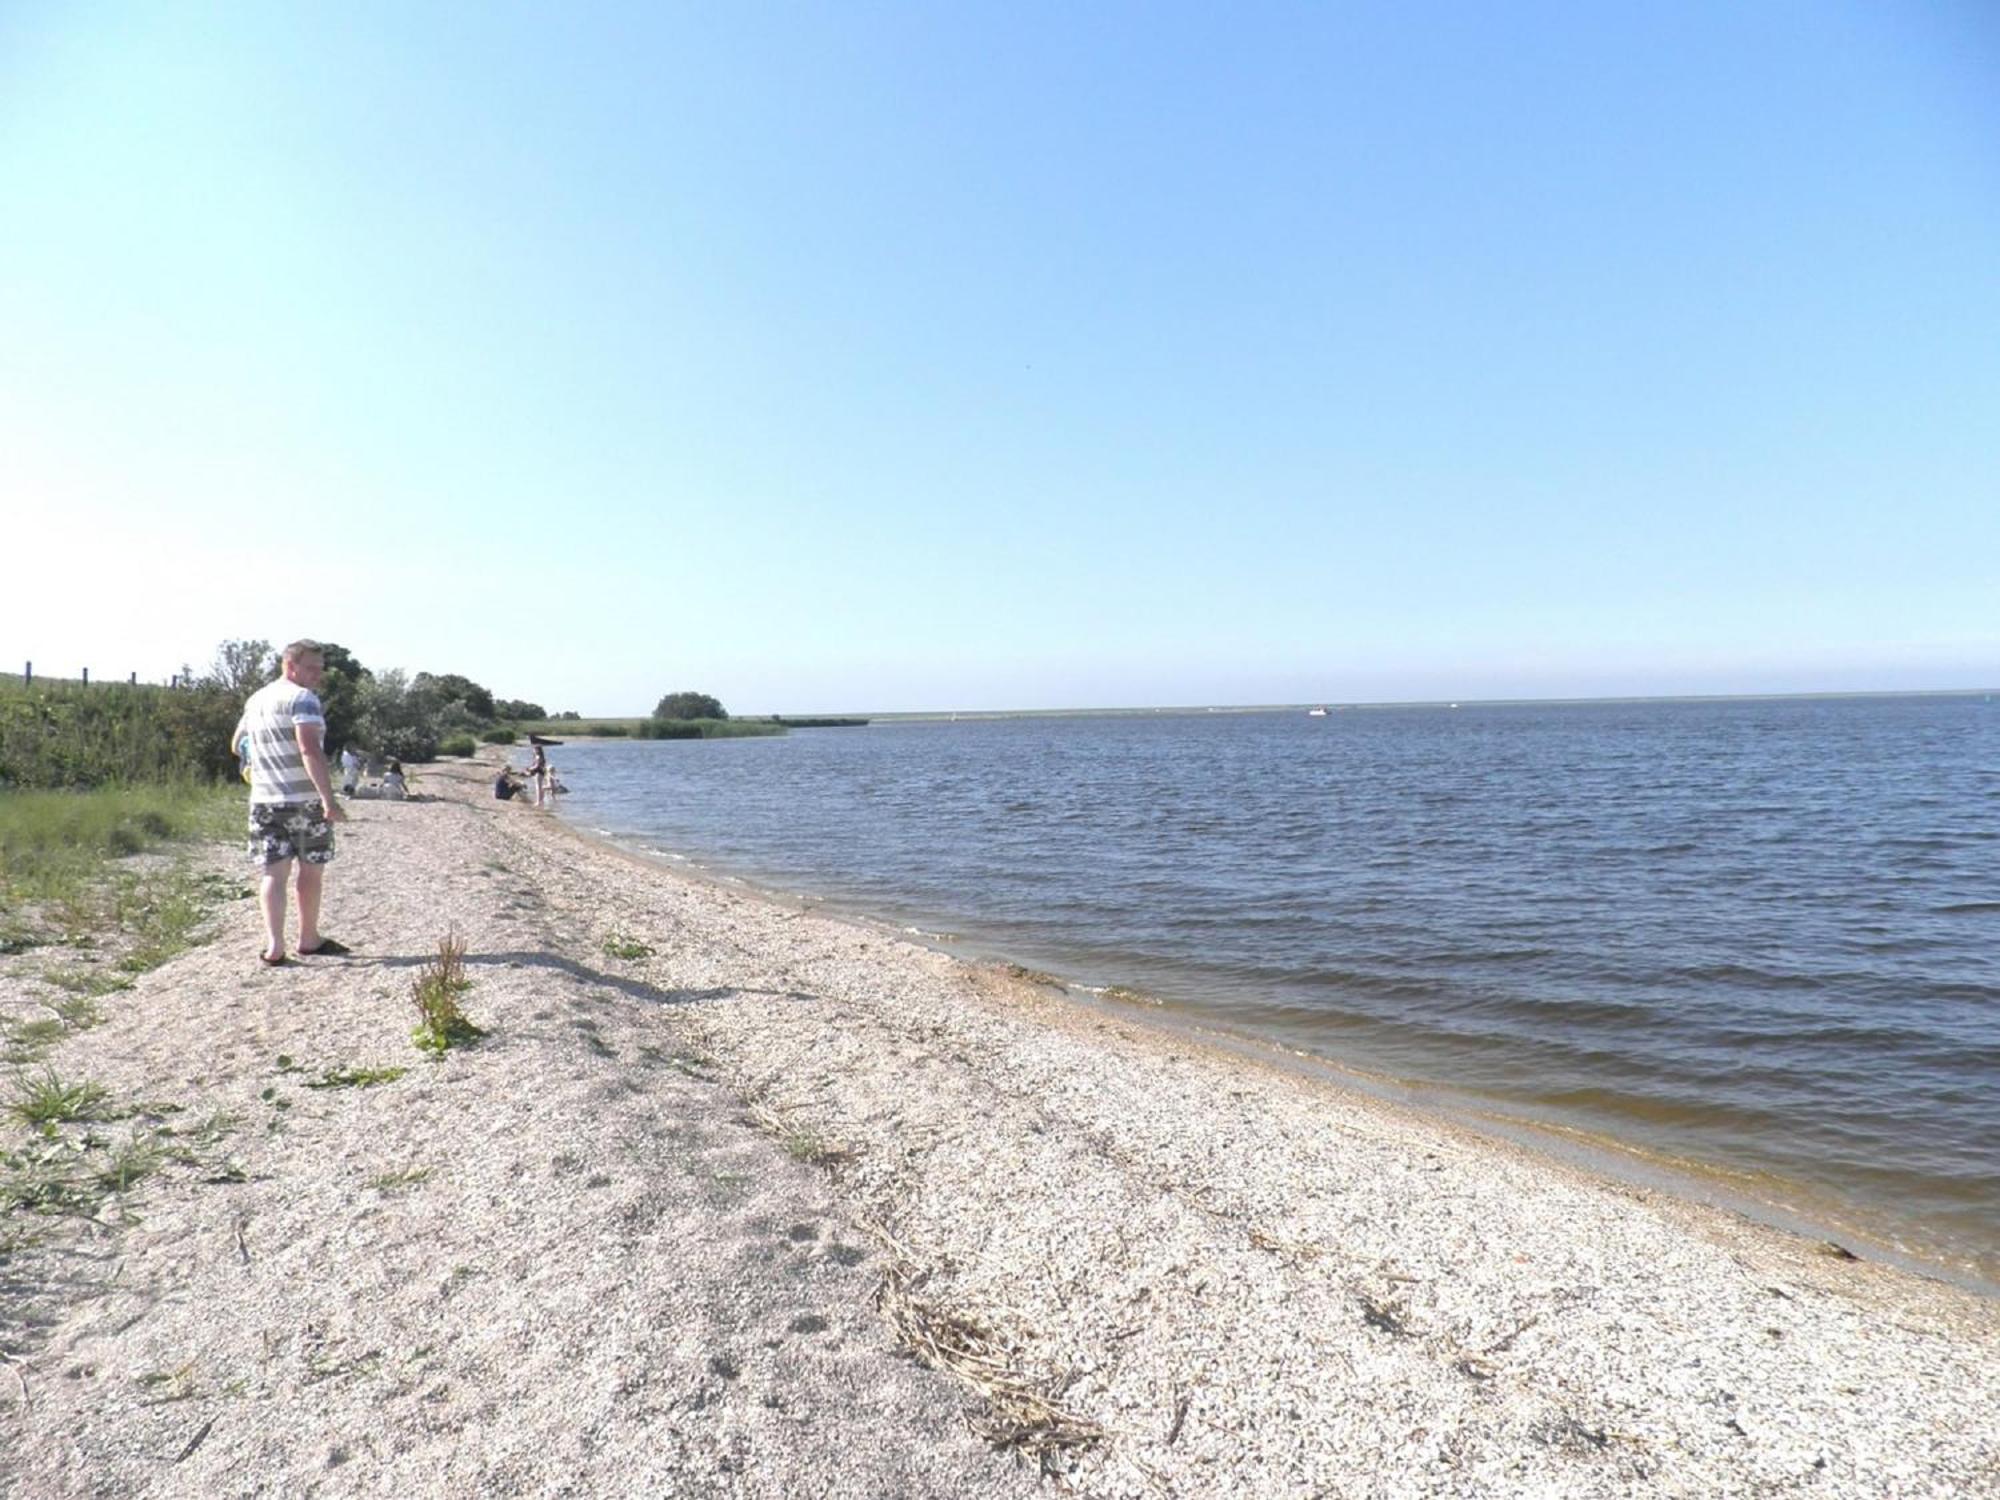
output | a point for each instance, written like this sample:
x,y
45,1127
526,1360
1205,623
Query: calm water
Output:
x,y
1762,937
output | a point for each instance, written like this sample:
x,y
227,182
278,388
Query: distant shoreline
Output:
x,y
1339,705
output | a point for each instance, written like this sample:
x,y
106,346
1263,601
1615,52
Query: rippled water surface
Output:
x,y
1759,936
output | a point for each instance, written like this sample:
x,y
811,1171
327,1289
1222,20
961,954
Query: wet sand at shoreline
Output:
x,y
680,1222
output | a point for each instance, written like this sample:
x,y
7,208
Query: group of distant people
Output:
x,y
540,777
394,785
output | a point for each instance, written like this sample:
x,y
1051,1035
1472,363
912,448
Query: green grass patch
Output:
x,y
62,881
165,913
83,984
48,1178
621,945
26,1041
51,842
390,1182
441,1024
48,1100
458,744
127,1164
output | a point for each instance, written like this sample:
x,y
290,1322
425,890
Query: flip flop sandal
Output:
x,y
272,963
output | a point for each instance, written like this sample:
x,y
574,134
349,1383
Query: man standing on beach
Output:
x,y
292,807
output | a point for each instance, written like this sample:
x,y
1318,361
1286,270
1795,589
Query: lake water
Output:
x,y
1759,938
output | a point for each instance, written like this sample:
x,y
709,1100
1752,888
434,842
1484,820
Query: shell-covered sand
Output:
x,y
788,1207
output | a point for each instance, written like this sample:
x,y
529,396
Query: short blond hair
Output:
x,y
304,648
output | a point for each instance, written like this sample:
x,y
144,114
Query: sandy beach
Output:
x,y
738,1199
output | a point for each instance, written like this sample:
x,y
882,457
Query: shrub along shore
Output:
x,y
730,1198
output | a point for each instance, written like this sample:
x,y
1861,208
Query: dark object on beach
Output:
x,y
536,739
1834,1250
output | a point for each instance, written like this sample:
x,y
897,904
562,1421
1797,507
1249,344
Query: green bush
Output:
x,y
689,706
606,731
499,736
62,734
458,744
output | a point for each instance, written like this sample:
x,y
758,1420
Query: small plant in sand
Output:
x,y
801,1143
389,1182
26,1041
441,1025
47,1100
623,945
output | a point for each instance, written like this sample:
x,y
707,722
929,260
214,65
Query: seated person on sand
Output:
x,y
505,786
394,787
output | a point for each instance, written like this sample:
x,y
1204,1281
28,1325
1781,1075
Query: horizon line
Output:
x,y
1383,703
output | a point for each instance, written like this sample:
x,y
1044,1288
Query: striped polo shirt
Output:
x,y
271,719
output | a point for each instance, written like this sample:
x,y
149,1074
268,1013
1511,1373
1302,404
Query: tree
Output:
x,y
452,688
518,708
689,706
241,667
397,719
340,694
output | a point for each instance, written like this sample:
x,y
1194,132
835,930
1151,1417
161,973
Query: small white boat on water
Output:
x,y
1316,713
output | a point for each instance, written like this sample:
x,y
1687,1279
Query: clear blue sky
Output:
x,y
894,357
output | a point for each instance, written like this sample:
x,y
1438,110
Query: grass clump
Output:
x,y
801,1143
26,1041
441,1024
83,985
622,945
48,1100
164,914
130,1162
389,1182
499,736
457,744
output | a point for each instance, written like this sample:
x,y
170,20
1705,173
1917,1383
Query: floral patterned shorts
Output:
x,y
283,830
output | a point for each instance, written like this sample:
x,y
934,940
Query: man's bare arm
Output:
x,y
312,748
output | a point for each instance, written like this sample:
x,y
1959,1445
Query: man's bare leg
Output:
x,y
312,880
272,894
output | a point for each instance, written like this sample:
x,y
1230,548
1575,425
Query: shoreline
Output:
x,y
1784,1204
741,1199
